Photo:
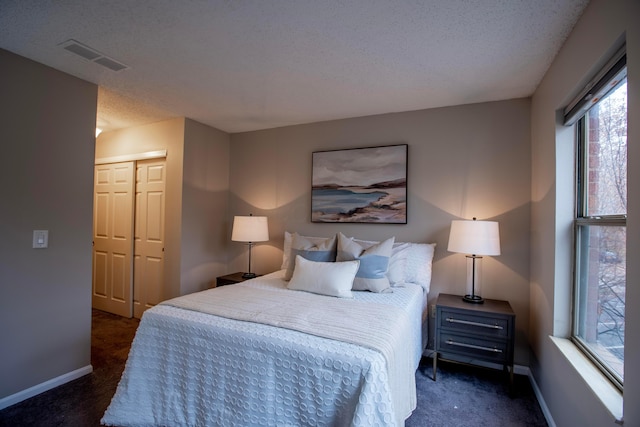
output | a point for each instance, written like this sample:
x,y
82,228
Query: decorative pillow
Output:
x,y
325,278
323,251
286,250
397,261
409,262
374,263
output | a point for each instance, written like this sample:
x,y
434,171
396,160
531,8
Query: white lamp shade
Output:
x,y
250,229
474,237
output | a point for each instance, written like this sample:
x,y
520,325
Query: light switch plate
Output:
x,y
40,239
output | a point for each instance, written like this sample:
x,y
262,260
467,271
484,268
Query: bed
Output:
x,y
265,353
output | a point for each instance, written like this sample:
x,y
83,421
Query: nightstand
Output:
x,y
474,332
230,279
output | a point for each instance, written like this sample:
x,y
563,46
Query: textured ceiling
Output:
x,y
241,65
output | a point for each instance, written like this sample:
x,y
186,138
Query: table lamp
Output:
x,y
250,229
474,238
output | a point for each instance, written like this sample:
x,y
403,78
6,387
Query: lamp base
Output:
x,y
248,275
473,299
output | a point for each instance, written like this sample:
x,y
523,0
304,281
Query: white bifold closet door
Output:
x,y
148,257
128,241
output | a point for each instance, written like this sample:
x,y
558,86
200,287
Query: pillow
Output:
x,y
397,264
419,257
287,259
374,263
397,261
325,278
409,262
418,264
321,251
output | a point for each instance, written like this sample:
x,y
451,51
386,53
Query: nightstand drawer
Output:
x,y
473,347
488,325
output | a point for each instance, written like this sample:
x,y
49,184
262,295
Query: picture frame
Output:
x,y
360,185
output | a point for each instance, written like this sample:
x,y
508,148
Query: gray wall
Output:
x,y
205,206
47,129
464,161
570,401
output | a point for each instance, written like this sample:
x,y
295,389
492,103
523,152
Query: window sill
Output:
x,y
608,394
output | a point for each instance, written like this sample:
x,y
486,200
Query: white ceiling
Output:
x,y
241,65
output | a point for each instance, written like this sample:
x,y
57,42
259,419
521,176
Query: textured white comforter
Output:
x,y
189,367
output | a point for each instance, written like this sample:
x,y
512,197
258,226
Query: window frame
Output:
x,y
582,218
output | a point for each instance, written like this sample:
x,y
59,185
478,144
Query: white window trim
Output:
x,y
593,377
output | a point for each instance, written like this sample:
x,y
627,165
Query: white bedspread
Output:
x,y
189,367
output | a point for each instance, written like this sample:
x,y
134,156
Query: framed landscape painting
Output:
x,y
367,185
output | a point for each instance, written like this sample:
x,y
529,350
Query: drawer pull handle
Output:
x,y
467,322
477,347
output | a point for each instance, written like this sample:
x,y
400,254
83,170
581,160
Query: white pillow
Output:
x,y
374,263
397,265
324,278
419,257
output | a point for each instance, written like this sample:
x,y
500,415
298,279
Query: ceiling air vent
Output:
x,y
92,55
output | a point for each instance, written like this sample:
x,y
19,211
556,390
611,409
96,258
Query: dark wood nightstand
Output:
x,y
466,332
230,279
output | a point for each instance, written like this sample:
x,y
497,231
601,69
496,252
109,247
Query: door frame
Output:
x,y
132,157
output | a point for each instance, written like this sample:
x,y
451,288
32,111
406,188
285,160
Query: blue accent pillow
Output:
x,y
374,263
312,250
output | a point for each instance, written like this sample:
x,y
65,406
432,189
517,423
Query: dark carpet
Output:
x,y
473,397
462,397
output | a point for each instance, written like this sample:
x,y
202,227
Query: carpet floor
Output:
x,y
473,397
461,397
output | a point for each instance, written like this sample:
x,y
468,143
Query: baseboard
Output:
x,y
524,370
18,397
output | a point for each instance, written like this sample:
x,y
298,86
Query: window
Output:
x,y
600,222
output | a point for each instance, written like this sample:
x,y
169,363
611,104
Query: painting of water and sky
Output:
x,y
366,185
